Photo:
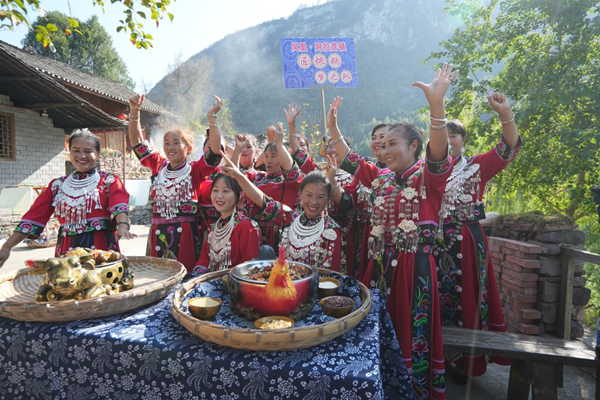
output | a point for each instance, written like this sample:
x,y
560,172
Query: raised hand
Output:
x,y
215,107
500,104
333,110
240,141
436,90
331,168
275,134
229,167
292,113
135,103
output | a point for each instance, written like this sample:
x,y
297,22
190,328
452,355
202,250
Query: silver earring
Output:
x,y
462,150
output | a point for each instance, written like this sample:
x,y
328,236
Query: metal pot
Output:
x,y
250,299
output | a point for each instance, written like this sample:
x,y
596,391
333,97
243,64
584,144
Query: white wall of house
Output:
x,y
39,145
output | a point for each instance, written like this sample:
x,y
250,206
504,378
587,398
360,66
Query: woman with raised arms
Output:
x,y
468,292
406,204
175,189
310,237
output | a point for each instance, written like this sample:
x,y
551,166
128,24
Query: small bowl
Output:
x,y
336,312
262,320
324,292
204,312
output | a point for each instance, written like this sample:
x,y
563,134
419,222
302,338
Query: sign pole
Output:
x,y
324,113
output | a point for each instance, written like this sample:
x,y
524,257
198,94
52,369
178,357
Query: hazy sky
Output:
x,y
197,25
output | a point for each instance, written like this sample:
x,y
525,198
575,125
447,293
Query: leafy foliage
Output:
x,y
545,56
91,51
15,12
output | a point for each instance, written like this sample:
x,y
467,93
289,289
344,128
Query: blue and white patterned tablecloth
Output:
x,y
147,354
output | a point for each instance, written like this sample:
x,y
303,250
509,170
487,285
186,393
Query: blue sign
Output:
x,y
314,63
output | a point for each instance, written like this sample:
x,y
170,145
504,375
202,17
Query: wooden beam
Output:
x,y
580,255
566,297
47,106
19,78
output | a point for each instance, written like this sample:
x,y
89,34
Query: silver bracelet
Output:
x,y
134,120
337,140
209,124
437,119
212,115
438,127
336,186
507,122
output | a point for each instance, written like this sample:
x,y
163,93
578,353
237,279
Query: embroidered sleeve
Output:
x,y
438,167
306,163
346,202
32,228
211,158
359,167
505,152
118,197
292,175
36,218
206,165
118,209
274,211
148,156
496,159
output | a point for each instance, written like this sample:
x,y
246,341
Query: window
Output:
x,y
7,137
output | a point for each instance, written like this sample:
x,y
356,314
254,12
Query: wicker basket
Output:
x,y
261,340
154,279
37,245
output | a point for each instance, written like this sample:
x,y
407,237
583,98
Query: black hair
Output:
x,y
410,132
378,127
231,184
87,135
270,146
316,177
457,127
305,141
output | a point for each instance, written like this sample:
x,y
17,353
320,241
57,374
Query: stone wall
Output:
x,y
40,149
8,222
141,215
525,251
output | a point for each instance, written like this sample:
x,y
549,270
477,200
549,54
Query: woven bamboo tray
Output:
x,y
261,340
154,279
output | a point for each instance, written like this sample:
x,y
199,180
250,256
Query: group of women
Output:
x,y
402,224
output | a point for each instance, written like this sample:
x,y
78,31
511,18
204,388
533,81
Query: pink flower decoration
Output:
x,y
211,212
447,301
419,345
353,157
426,232
476,213
142,149
426,249
186,208
26,227
97,225
389,190
270,207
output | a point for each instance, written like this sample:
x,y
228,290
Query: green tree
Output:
x,y
15,12
91,51
544,56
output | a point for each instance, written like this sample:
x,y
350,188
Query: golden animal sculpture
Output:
x,y
80,274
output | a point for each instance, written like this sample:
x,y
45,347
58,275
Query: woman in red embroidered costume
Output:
x,y
311,237
298,144
281,182
234,238
406,206
468,292
174,233
88,204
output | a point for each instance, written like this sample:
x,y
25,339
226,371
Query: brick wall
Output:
x,y
40,149
527,267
